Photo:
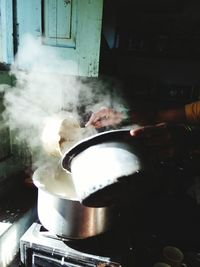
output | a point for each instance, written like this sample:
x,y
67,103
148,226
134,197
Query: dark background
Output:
x,y
154,48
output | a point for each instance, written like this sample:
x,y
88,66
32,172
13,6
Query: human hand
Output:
x,y
104,117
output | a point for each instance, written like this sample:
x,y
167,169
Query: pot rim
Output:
x,y
120,134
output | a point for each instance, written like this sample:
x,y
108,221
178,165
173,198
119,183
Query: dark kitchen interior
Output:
x,y
152,49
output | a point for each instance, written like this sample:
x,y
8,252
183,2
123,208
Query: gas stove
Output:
x,y
39,247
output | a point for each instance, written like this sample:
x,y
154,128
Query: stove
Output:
x,y
135,240
39,248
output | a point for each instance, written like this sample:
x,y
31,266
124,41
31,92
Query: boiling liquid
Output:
x,y
53,179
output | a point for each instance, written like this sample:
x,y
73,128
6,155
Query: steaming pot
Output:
x,y
102,164
60,211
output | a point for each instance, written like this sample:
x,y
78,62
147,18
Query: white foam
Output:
x,y
53,179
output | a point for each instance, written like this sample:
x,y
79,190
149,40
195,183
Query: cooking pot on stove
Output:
x,y
100,166
60,211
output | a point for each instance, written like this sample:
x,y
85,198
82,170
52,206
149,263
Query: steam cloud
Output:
x,y
43,89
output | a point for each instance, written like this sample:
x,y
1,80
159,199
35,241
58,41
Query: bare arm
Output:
x,y
189,113
175,115
107,116
172,115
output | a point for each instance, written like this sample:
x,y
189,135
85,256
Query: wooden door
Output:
x,y
71,28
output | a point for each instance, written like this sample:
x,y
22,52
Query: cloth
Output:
x,y
192,112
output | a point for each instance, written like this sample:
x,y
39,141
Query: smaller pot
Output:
x,y
101,164
60,211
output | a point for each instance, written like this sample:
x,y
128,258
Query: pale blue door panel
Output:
x,y
59,21
6,31
69,28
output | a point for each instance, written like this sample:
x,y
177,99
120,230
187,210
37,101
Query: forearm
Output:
x,y
189,113
172,115
153,117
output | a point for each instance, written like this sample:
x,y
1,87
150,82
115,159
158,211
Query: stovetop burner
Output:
x,y
39,247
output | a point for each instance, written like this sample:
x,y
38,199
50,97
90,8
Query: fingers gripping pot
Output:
x,y
60,211
101,165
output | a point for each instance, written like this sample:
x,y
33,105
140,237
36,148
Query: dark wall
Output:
x,y
154,47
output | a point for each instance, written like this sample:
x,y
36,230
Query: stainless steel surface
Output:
x,y
67,217
42,250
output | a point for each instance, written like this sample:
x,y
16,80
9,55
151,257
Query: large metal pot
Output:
x,y
61,213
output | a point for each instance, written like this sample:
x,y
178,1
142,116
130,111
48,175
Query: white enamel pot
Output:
x,y
101,164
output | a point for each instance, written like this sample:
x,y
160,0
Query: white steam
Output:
x,y
43,89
